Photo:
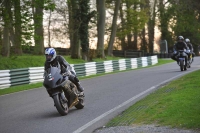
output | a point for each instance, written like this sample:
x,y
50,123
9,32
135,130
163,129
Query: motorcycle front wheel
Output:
x,y
181,65
61,106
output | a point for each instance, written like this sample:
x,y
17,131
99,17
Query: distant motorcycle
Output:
x,y
53,81
181,60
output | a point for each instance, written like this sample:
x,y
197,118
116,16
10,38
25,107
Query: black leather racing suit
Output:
x,y
179,46
63,63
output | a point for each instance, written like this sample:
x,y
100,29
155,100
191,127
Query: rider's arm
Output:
x,y
192,49
175,48
46,66
64,63
185,46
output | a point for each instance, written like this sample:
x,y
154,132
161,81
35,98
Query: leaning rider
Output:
x,y
52,59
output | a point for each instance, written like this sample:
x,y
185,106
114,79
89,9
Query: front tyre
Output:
x,y
61,106
181,65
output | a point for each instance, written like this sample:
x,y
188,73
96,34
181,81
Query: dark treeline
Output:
x,y
117,24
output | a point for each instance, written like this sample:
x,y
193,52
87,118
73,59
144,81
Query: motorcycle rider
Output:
x,y
190,47
52,59
180,45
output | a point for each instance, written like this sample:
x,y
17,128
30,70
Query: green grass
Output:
x,y
25,61
175,105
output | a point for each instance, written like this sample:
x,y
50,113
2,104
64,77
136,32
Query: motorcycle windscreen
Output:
x,y
53,77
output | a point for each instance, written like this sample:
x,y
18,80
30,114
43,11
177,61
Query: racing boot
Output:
x,y
177,60
79,87
75,80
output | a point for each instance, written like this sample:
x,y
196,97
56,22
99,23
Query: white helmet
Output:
x,y
187,40
50,54
180,38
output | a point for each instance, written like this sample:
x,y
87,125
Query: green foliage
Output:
x,y
25,61
49,5
27,26
85,16
135,18
182,19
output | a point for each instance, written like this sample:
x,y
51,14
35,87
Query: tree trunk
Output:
x,y
11,29
122,38
75,44
100,28
70,24
143,41
128,18
49,31
5,51
114,28
151,26
38,27
1,39
6,44
18,29
129,37
85,16
135,29
144,44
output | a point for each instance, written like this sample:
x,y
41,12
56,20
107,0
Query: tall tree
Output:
x,y
165,13
85,16
129,23
123,28
151,26
114,27
74,31
144,44
49,32
1,36
133,19
135,30
7,25
18,29
70,24
38,26
100,27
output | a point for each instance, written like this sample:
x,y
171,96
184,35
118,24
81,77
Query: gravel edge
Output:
x,y
144,129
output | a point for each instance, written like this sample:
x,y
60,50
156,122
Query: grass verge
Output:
x,y
25,61
175,105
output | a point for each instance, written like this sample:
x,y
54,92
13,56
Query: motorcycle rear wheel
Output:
x,y
185,67
80,104
61,107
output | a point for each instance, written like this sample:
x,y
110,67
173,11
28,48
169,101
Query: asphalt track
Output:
x,y
106,96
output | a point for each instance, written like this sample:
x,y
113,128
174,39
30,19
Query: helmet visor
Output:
x,y
48,57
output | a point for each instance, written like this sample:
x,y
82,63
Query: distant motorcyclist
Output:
x,y
52,60
190,47
180,45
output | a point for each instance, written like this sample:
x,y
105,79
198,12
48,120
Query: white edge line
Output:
x,y
79,130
